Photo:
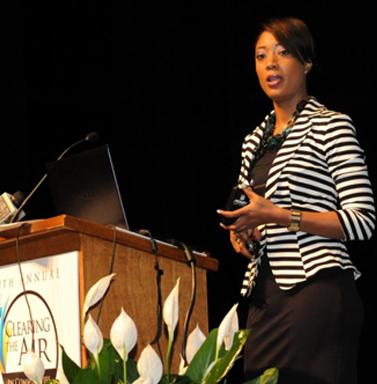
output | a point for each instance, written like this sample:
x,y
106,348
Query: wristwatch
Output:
x,y
294,225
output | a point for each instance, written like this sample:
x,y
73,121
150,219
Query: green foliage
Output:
x,y
270,376
201,362
202,369
71,369
225,363
111,369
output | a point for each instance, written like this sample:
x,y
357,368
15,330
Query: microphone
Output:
x,y
91,137
9,205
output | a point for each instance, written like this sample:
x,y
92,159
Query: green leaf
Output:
x,y
198,367
226,362
132,372
176,379
111,368
270,376
71,369
109,362
87,376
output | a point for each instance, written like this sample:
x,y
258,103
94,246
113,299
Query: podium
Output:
x,y
134,287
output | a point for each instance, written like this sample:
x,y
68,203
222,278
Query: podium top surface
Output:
x,y
38,229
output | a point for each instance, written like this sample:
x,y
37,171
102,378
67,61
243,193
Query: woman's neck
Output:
x,y
283,113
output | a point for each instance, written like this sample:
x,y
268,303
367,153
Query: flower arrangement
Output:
x,y
208,358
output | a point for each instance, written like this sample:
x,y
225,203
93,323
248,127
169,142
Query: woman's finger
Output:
x,y
241,243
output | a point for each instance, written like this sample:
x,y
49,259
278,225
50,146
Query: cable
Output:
x,y
18,255
159,273
111,268
191,262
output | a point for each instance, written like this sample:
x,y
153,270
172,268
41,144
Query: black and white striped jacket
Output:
x,y
320,167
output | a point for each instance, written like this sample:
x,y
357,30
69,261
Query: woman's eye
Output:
x,y
260,56
284,52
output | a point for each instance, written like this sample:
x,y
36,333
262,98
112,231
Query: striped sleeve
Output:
x,y
347,165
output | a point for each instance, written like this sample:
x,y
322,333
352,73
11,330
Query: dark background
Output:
x,y
171,88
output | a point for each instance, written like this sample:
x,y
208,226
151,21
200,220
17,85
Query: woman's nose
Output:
x,y
271,62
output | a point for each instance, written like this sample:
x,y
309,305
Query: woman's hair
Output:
x,y
293,34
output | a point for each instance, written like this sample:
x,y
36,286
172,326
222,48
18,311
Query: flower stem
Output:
x,y
168,358
95,364
124,366
216,354
98,368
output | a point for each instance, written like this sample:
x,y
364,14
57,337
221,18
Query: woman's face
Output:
x,y
281,76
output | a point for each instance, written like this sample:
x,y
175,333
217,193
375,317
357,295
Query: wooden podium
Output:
x,y
134,287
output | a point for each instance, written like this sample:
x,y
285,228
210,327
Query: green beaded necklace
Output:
x,y
270,141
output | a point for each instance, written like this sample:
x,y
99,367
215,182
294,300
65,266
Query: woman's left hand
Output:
x,y
258,211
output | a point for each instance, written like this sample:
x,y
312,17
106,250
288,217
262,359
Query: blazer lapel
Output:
x,y
250,148
291,145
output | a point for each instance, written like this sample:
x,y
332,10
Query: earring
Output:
x,y
309,67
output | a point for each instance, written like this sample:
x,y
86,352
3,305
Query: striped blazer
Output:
x,y
320,167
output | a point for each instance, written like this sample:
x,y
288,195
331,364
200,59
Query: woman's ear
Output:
x,y
307,67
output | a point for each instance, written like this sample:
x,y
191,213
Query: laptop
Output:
x,y
84,185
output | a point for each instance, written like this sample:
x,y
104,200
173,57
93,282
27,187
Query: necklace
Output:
x,y
270,141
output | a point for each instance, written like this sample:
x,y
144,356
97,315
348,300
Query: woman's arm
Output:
x,y
262,211
346,162
353,220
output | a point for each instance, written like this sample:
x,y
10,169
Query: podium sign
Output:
x,y
39,309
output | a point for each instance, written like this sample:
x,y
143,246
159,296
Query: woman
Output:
x,y
305,176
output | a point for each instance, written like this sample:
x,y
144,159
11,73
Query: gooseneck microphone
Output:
x,y
91,137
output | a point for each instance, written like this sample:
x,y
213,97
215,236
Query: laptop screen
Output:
x,y
85,186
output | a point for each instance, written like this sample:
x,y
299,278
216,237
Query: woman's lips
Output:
x,y
274,80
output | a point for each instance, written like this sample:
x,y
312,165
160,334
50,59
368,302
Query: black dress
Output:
x,y
310,332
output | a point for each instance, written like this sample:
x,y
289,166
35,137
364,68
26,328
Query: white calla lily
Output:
x,y
171,310
194,342
170,314
33,367
93,338
228,327
123,334
182,366
96,292
149,366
